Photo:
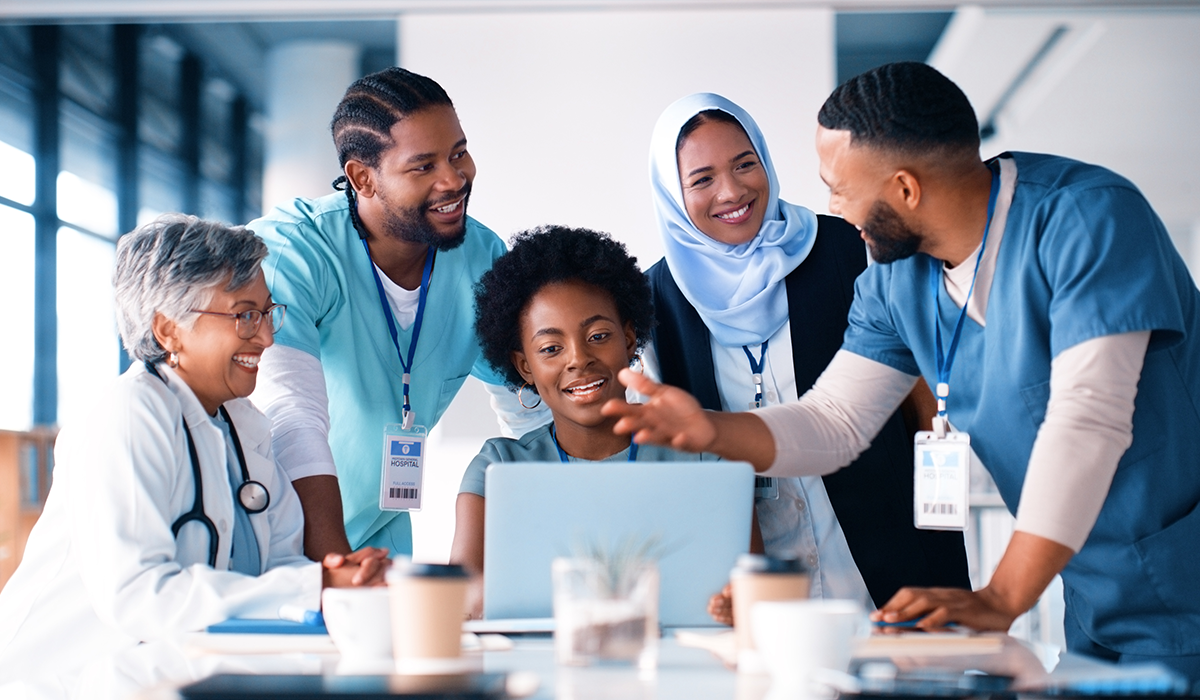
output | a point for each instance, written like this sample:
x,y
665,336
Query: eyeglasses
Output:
x,y
249,321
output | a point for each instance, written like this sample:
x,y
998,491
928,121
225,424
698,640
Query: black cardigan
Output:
x,y
873,497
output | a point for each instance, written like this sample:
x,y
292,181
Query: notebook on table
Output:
x,y
697,512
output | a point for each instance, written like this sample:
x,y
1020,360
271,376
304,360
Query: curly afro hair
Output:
x,y
546,255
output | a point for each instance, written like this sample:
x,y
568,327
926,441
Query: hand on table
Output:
x,y
937,607
671,417
720,606
365,567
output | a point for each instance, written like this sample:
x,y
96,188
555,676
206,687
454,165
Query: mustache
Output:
x,y
452,197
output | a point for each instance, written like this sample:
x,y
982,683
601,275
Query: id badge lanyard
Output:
x,y
565,458
942,457
404,442
765,487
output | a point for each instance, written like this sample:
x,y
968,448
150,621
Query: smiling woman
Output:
x,y
168,512
559,316
752,299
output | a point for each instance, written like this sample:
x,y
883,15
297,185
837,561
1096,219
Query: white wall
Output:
x,y
558,108
1119,90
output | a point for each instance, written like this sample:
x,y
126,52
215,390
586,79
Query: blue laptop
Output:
x,y
699,512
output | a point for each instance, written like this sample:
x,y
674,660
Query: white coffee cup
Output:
x,y
800,638
359,622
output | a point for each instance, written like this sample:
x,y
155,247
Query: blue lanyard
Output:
x,y
391,321
946,360
565,458
756,368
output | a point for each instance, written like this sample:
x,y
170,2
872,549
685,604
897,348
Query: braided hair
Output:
x,y
908,107
362,123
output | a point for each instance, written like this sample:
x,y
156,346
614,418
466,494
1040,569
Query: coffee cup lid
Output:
x,y
409,568
763,564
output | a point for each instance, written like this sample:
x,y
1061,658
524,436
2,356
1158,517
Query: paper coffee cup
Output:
x,y
755,578
427,606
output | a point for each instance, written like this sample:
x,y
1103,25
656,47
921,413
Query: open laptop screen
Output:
x,y
699,512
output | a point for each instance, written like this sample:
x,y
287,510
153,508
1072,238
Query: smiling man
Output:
x,y
378,281
1045,301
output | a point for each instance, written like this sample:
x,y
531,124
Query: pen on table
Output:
x,y
907,623
295,613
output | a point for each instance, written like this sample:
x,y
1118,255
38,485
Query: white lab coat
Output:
x,y
101,569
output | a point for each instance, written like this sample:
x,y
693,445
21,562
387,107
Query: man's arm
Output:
x,y
324,528
825,430
1088,427
291,392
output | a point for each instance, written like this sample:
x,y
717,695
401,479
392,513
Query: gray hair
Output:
x,y
173,265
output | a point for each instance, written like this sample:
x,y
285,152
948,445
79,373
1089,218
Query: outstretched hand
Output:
x,y
365,567
671,417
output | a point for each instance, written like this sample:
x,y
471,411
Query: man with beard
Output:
x,y
378,283
1045,301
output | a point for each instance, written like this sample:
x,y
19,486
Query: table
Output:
x,y
154,671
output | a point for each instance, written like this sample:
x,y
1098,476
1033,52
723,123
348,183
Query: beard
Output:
x,y
888,238
410,224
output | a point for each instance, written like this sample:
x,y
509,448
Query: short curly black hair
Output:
x,y
546,255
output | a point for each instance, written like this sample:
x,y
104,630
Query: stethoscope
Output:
x,y
251,495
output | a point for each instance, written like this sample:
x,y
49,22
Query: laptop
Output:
x,y
699,513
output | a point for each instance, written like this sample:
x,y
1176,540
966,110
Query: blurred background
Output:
x,y
112,111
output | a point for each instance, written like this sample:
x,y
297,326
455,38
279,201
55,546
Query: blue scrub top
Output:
x,y
317,266
1083,256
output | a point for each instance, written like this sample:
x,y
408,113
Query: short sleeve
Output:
x,y
298,276
473,477
872,331
1111,268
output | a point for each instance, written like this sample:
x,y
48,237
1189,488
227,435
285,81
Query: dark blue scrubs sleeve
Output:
x,y
1110,266
873,332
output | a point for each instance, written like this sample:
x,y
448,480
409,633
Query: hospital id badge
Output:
x,y
403,465
766,488
941,478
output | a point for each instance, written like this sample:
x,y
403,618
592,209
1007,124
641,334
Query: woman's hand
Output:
x,y
671,417
365,567
720,606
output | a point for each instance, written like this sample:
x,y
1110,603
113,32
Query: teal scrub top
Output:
x,y
318,267
1083,256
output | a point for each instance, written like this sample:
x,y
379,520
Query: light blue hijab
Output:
x,y
737,289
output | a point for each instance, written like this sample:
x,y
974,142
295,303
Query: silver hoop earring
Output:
x,y
172,360
521,398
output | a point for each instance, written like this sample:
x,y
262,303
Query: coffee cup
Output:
x,y
755,578
428,602
358,622
800,640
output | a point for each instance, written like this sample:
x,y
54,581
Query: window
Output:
x,y
88,350
16,289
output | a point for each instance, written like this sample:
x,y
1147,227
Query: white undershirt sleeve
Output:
x,y
836,420
1088,427
291,392
516,420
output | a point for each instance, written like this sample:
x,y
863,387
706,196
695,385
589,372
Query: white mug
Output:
x,y
359,622
800,638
